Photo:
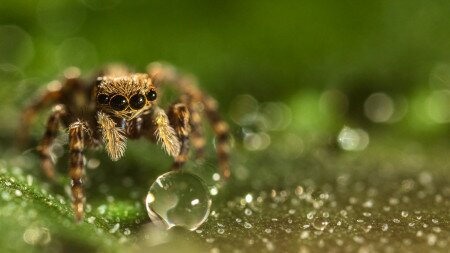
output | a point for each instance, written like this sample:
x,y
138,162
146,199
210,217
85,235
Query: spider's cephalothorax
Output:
x,y
118,105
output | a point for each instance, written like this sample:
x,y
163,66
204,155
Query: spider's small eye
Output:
x,y
103,99
118,103
137,101
151,95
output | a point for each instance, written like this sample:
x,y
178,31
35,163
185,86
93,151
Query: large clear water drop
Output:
x,y
178,199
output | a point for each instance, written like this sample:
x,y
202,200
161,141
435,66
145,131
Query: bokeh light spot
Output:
x,y
16,46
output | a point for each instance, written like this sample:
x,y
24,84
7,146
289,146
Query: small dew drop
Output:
x,y
37,236
101,209
385,227
248,198
320,224
247,225
115,228
91,219
18,193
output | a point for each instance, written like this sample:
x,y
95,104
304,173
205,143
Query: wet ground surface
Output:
x,y
384,199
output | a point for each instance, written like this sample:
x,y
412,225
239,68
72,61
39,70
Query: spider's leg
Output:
x,y
221,131
197,133
77,132
186,84
56,92
50,96
165,73
179,119
45,146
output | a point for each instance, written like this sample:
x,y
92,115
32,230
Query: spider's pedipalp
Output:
x,y
165,134
113,136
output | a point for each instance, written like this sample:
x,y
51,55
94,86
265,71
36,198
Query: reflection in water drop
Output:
x,y
353,139
178,199
16,46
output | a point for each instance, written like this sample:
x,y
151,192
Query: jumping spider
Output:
x,y
117,105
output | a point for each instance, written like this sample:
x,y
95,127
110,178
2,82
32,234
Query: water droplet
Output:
x,y
385,227
221,231
91,219
115,228
353,139
405,214
37,236
180,199
320,223
18,193
213,191
101,209
248,198
247,225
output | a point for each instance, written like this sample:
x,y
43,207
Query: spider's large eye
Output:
x,y
103,99
137,101
118,103
151,95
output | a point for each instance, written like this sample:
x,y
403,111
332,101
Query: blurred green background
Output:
x,y
291,77
290,51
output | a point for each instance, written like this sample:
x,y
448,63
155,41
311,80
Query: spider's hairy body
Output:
x,y
118,105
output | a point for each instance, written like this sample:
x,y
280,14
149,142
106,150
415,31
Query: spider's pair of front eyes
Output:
x,y
120,103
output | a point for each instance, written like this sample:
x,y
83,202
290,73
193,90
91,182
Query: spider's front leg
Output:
x,y
51,132
77,132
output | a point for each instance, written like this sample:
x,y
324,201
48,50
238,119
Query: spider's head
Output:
x,y
126,96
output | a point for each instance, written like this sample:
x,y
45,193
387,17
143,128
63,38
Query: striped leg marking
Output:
x,y
221,131
77,132
179,119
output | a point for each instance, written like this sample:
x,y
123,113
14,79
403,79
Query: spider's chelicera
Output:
x,y
118,105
